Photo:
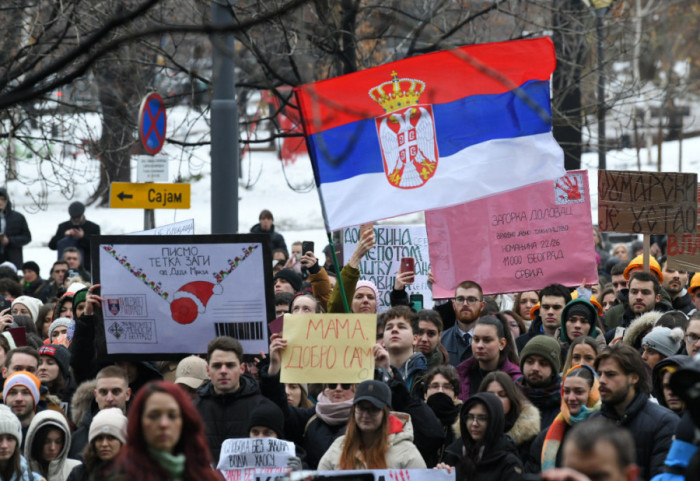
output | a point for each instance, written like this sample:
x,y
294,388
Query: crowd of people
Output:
x,y
596,382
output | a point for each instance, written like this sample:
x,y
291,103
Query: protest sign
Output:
x,y
647,202
253,474
255,453
521,240
328,348
170,295
381,264
684,249
185,227
392,474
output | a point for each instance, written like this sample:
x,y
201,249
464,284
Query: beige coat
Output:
x,y
402,453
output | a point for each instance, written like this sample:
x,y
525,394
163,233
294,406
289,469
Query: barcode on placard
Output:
x,y
243,331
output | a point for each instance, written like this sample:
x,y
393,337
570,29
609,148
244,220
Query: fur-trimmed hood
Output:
x,y
82,403
527,425
639,327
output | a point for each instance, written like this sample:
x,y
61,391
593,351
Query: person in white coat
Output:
x,y
47,445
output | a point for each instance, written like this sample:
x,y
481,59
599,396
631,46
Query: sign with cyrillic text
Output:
x,y
255,453
684,249
169,295
517,241
325,348
647,202
381,264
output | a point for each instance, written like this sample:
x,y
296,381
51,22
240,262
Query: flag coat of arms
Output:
x,y
431,131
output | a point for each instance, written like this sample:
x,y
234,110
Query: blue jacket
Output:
x,y
458,350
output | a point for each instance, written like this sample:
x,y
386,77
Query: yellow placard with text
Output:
x,y
328,348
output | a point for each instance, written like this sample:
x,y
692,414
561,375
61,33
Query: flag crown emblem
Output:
x,y
396,94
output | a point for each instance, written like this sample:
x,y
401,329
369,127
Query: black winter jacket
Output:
x,y
89,229
652,427
227,416
275,238
17,232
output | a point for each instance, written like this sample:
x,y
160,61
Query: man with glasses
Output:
x,y
553,298
58,274
467,304
692,335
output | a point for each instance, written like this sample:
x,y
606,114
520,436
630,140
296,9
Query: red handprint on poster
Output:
x,y
569,189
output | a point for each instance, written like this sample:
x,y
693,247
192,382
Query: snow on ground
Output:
x,y
297,214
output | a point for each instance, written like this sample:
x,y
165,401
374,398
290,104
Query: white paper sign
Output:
x,y
174,294
152,168
185,227
255,453
381,264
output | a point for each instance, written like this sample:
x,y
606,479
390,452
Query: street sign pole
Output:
x,y
152,129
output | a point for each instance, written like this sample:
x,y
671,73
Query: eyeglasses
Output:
x,y
478,419
692,338
369,409
343,386
468,300
441,387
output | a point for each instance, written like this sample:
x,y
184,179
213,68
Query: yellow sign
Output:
x,y
125,195
329,348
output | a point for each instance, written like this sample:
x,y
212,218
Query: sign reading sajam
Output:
x,y
684,249
647,202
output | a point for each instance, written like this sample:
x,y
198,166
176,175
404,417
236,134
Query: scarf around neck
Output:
x,y
333,413
174,464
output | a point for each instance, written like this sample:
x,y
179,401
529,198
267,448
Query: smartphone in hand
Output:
x,y
408,264
307,246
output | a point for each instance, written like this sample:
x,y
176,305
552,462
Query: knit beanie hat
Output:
x,y
663,340
290,276
579,307
268,415
544,346
31,266
108,421
60,354
9,424
25,379
31,303
369,284
79,297
61,321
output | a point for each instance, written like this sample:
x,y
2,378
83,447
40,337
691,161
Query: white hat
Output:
x,y
108,421
9,423
192,372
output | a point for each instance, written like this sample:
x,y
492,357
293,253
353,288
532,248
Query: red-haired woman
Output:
x,y
165,438
375,438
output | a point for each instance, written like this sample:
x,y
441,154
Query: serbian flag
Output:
x,y
431,131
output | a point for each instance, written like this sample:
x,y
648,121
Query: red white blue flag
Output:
x,y
431,131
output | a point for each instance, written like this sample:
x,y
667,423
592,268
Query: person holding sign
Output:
x,y
364,294
375,437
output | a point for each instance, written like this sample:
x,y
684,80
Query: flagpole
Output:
x,y
337,269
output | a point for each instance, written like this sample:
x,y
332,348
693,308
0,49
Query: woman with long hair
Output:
x,y
484,452
375,438
13,467
165,438
523,302
47,445
492,349
521,416
580,398
583,350
105,440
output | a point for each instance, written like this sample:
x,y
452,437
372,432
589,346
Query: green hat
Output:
x,y
544,346
581,307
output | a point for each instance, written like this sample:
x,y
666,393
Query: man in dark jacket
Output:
x,y
675,282
553,298
540,363
467,304
266,227
33,285
14,232
624,391
227,400
75,232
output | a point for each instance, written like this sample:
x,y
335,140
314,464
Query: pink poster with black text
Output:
x,y
517,241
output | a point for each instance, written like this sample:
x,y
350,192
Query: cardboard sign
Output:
x,y
381,264
255,453
185,227
647,202
683,250
167,295
391,474
521,240
328,348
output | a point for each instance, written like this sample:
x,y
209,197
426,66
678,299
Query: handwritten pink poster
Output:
x,y
520,240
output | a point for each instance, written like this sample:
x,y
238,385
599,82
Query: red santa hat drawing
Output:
x,y
191,300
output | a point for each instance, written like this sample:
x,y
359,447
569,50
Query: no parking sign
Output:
x,y
152,123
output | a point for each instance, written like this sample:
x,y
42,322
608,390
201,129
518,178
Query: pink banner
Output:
x,y
517,241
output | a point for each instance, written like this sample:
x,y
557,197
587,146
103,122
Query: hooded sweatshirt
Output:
x,y
59,468
496,458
